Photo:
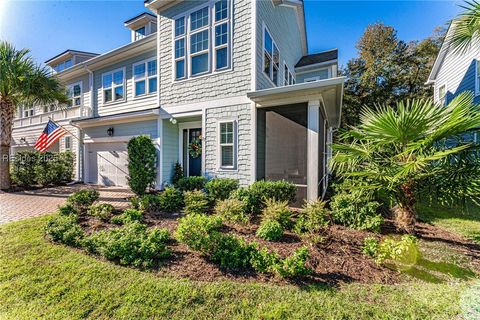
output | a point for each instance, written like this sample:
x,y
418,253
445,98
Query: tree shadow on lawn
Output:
x,y
438,272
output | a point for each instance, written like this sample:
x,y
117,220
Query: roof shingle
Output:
x,y
317,58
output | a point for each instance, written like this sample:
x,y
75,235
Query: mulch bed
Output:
x,y
337,259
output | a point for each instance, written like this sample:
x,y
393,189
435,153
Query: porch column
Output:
x,y
312,149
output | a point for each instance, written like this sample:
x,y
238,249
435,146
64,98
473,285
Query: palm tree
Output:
x,y
21,82
418,148
466,27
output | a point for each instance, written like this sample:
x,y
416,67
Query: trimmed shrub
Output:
x,y
354,211
232,210
230,252
130,245
255,195
177,173
32,167
221,188
270,230
102,211
128,216
148,203
294,265
195,202
66,210
64,229
83,199
170,200
277,211
264,261
195,231
313,218
142,157
191,183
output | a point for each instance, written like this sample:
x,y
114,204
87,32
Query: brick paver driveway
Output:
x,y
27,204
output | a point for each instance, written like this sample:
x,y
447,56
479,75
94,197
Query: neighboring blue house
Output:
x,y
232,76
455,72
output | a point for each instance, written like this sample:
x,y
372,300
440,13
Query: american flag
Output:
x,y
49,136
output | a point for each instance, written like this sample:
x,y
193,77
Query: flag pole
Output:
x,y
78,139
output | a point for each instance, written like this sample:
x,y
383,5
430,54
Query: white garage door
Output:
x,y
107,164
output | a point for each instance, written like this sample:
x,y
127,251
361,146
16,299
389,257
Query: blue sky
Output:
x,y
50,27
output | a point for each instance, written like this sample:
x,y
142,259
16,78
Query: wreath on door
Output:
x,y
195,148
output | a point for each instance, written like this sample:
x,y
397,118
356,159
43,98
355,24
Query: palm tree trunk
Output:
x,y
405,214
6,124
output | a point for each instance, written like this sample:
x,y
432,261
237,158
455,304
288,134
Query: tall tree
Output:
x,y
387,69
21,82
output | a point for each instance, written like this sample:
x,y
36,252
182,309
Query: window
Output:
x,y
145,77
49,108
227,144
271,57
139,33
63,65
74,93
113,84
68,143
28,111
288,78
442,93
208,45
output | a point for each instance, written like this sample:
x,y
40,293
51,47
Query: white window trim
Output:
x,y
270,77
145,78
114,86
31,111
70,87
288,76
211,42
65,139
438,94
234,144
477,83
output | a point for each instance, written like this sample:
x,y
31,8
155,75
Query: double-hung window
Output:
x,y
28,111
113,86
68,143
145,77
202,40
180,46
227,144
74,95
140,33
271,57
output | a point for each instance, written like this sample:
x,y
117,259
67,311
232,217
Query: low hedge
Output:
x,y
34,168
221,188
191,183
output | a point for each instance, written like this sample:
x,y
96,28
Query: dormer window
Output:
x,y
140,33
63,65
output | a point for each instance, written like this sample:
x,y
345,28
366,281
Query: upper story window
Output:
x,y
49,108
74,93
227,144
28,111
113,86
271,57
140,33
145,77
442,93
63,65
202,40
289,78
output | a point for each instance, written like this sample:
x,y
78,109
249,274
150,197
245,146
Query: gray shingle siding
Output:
x,y
457,71
231,83
283,27
242,115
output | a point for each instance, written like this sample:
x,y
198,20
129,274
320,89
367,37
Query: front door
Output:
x,y
194,157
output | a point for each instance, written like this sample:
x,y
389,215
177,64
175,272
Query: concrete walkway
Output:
x,y
28,204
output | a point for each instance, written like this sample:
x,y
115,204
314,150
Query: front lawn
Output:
x,y
39,279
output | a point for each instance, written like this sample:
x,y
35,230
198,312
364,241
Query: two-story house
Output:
x,y
231,77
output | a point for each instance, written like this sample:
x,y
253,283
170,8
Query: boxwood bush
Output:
x,y
195,202
101,211
83,199
191,183
65,229
195,230
221,188
128,216
255,195
170,200
355,211
270,230
132,244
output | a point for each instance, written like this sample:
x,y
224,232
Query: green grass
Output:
x,y
42,280
463,221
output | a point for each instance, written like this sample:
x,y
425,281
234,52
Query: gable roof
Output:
x,y
440,56
316,58
71,52
140,16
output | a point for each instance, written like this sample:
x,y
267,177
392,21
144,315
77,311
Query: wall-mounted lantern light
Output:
x,y
173,120
110,132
